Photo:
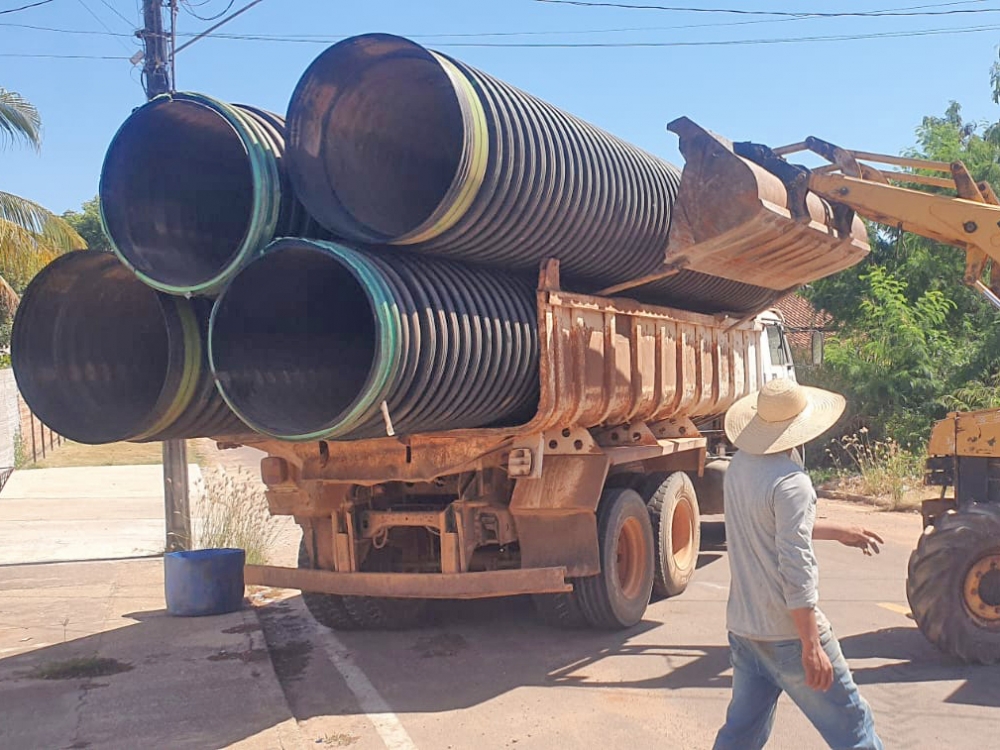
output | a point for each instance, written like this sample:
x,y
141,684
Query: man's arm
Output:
x,y
794,514
851,536
815,662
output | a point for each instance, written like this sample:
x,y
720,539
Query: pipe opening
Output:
x,y
389,131
177,192
91,349
293,340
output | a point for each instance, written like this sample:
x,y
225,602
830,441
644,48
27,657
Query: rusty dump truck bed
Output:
x,y
505,511
603,362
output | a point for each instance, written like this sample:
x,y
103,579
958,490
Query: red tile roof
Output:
x,y
801,319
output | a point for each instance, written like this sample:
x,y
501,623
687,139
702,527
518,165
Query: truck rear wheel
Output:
x,y
676,520
560,610
384,613
617,597
326,609
953,583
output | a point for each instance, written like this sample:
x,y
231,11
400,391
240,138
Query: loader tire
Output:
x,y
617,597
676,520
326,609
560,610
953,583
384,613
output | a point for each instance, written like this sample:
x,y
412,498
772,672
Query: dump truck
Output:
x,y
590,505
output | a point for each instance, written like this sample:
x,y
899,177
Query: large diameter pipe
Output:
x,y
100,357
193,188
316,340
391,143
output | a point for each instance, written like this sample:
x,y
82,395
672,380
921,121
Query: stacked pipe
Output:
x,y
403,154
101,357
193,188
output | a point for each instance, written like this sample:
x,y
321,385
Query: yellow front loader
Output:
x,y
953,579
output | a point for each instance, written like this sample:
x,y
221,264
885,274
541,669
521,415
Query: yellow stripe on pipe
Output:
x,y
191,334
477,150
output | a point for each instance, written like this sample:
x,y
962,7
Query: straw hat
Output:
x,y
781,416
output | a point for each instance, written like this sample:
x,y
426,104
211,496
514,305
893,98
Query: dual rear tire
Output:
x,y
648,541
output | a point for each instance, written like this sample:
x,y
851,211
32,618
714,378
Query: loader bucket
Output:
x,y
738,221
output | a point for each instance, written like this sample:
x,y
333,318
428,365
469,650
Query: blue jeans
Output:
x,y
763,669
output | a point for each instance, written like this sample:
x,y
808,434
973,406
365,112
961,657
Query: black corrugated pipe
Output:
x,y
391,143
100,357
316,340
193,188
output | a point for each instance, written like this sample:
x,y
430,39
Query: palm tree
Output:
x,y
30,235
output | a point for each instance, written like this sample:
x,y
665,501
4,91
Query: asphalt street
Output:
x,y
488,675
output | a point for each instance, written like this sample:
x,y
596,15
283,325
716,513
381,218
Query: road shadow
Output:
x,y
917,660
473,652
161,681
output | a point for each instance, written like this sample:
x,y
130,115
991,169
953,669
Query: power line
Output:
x,y
100,21
792,14
24,7
63,57
210,29
732,42
598,45
189,6
113,9
311,39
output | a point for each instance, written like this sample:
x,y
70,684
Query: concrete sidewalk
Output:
x,y
164,682
84,513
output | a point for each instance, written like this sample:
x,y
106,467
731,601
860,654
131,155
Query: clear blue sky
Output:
x,y
867,94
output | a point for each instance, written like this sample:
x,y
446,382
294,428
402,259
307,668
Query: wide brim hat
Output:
x,y
782,415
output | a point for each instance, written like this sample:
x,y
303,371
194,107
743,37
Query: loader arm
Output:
x,y
969,219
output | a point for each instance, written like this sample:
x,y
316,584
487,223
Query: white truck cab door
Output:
x,y
777,356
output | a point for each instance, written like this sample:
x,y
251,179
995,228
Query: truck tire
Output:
x,y
676,520
326,609
560,610
953,583
617,597
384,613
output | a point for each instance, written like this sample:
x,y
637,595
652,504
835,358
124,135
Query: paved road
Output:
x,y
486,675
84,513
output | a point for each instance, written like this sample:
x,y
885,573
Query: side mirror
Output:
x,y
817,347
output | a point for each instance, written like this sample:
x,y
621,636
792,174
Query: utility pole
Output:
x,y
155,66
176,503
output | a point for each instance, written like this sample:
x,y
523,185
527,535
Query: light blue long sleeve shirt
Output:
x,y
770,511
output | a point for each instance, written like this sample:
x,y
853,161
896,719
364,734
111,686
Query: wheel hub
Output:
x,y
629,554
982,589
682,535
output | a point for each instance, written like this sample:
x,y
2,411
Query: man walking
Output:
x,y
779,639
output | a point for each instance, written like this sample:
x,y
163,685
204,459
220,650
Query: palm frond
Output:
x,y
52,231
22,254
19,120
9,299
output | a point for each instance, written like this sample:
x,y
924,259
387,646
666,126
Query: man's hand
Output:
x,y
815,662
850,536
865,540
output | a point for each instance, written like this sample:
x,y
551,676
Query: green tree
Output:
x,y
918,282
87,223
30,235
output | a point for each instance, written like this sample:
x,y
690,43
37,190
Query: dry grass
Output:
x,y
881,472
112,454
234,514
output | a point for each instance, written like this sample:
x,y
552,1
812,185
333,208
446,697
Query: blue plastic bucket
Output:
x,y
203,581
